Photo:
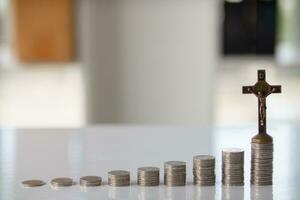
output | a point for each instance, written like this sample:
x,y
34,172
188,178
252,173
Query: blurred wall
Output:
x,y
288,44
3,22
149,61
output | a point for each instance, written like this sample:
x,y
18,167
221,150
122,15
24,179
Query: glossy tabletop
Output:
x,y
49,153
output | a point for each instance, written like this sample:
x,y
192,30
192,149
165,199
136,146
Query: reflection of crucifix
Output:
x,y
261,90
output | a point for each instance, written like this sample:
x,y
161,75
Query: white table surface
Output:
x,y
49,153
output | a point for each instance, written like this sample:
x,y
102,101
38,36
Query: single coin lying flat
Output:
x,y
33,183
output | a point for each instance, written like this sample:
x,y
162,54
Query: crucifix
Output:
x,y
261,90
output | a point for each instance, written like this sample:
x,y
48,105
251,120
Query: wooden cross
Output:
x,y
261,90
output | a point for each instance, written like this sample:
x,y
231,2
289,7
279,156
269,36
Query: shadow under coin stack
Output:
x,y
118,178
204,170
261,163
233,167
148,176
175,173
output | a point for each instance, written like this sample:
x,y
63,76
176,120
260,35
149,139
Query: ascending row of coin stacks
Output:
x,y
204,170
233,167
175,173
261,163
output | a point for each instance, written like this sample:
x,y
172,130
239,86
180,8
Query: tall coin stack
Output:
x,y
204,170
261,164
233,167
118,178
148,176
175,173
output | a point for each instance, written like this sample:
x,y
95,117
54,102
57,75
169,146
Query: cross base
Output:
x,y
262,138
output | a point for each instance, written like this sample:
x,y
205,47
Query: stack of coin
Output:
x,y
233,167
261,164
175,173
204,170
118,178
148,176
88,181
62,182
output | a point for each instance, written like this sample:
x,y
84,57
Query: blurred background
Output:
x,y
72,63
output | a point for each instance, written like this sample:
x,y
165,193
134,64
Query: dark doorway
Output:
x,y
249,27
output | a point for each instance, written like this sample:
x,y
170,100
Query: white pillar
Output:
x,y
149,61
288,36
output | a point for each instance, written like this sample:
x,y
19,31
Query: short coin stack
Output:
x,y
175,173
148,176
118,178
88,181
233,167
261,164
204,170
62,182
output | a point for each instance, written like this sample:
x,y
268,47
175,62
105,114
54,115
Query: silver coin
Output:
x,y
148,169
175,164
33,183
204,158
118,173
